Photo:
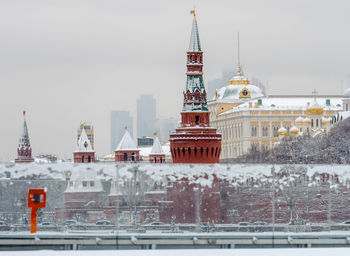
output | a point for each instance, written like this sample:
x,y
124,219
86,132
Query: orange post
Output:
x,y
33,218
36,199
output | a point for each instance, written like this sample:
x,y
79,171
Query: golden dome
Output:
x,y
307,121
314,109
282,131
326,120
294,130
299,121
239,78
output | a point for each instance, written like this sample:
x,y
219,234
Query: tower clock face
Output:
x,y
245,92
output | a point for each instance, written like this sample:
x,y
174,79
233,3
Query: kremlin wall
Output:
x,y
190,193
188,183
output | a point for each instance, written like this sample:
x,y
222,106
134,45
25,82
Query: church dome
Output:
x,y
282,131
314,109
347,93
326,120
239,88
239,92
307,120
294,130
299,120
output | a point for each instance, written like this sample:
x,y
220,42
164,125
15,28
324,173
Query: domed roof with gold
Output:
x,y
239,88
307,120
294,130
315,108
299,120
282,131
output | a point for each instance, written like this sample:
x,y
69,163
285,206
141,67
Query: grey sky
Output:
x,y
67,61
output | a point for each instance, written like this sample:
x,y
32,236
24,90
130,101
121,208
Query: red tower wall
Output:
x,y
78,157
195,145
157,158
119,155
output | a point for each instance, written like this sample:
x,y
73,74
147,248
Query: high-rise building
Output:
x,y
89,130
146,115
195,141
24,150
166,126
119,120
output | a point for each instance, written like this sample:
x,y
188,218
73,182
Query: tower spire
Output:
x,y
195,94
239,70
195,45
24,151
239,61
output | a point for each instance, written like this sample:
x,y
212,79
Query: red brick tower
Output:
x,y
24,151
127,150
195,141
157,154
84,152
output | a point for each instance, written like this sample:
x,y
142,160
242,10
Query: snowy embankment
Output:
x,y
236,174
192,252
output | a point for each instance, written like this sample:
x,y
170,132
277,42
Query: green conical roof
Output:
x,y
195,45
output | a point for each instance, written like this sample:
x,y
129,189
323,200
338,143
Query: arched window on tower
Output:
x,y
196,97
189,97
204,97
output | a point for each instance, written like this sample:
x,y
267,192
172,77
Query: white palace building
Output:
x,y
245,115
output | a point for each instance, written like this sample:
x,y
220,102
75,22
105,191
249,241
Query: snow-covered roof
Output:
x,y
282,129
127,142
146,151
84,144
287,103
231,92
195,45
157,148
84,180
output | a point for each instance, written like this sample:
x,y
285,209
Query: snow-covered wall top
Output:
x,y
237,174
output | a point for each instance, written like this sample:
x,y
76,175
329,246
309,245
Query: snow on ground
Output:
x,y
192,252
195,173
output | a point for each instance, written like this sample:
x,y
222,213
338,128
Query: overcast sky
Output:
x,y
68,61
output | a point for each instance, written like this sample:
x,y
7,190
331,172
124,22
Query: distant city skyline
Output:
x,y
76,61
146,115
